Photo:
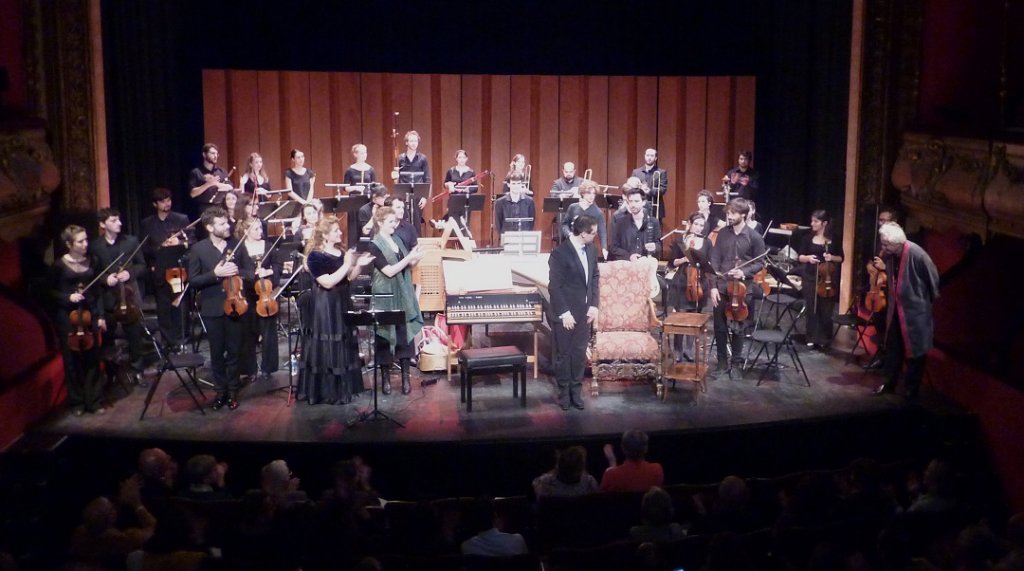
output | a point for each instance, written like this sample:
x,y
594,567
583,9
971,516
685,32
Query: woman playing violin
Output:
x,y
79,320
683,295
252,249
821,257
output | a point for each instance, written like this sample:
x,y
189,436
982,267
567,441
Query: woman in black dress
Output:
x,y
455,176
331,369
252,265
518,173
255,179
299,180
359,174
816,248
392,275
694,239
71,273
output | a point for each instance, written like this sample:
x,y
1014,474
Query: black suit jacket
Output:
x,y
202,258
567,283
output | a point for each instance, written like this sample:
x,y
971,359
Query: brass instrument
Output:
x,y
587,174
656,189
528,171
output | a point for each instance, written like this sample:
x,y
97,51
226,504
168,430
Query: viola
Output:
x,y
266,304
878,281
825,283
736,309
176,278
234,302
81,337
126,310
761,279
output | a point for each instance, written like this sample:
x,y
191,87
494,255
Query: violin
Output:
x,y
266,304
761,279
825,283
878,281
176,278
736,309
234,302
127,310
81,337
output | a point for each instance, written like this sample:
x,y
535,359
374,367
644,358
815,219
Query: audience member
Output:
x,y
490,539
98,541
937,496
657,513
205,479
569,477
730,511
159,473
175,545
635,474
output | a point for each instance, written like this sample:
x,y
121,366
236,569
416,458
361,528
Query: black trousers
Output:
x,y
894,361
570,358
225,334
257,327
739,328
170,319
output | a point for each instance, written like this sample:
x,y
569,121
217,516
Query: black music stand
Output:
x,y
375,318
349,206
172,257
285,252
559,204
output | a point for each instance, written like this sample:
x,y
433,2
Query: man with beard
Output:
x,y
207,268
208,181
635,233
165,247
737,244
646,174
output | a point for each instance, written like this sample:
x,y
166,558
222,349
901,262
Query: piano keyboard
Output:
x,y
494,308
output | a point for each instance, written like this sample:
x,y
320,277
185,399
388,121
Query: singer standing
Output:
x,y
636,233
359,174
208,181
574,301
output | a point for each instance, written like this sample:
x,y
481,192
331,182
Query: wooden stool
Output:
x,y
490,359
686,324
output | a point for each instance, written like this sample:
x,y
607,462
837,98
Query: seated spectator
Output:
x,y
204,479
278,512
978,549
811,502
726,553
351,484
731,510
635,474
159,473
938,496
490,539
657,512
98,541
175,545
864,501
569,478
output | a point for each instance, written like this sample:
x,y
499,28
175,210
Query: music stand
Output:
x,y
287,252
521,243
610,203
559,204
172,257
374,318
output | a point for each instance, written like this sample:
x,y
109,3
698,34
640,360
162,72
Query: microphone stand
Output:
x,y
374,413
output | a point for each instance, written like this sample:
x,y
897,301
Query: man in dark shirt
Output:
x,y
635,233
737,244
208,182
207,269
122,280
653,181
166,248
512,206
413,168
568,184
741,180
407,232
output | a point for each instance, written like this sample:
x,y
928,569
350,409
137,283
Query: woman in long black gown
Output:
x,y
694,239
72,272
331,372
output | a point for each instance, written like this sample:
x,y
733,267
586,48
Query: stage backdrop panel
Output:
x,y
604,123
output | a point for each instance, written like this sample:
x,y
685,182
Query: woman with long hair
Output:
x,y
392,275
299,180
332,371
820,281
252,266
255,180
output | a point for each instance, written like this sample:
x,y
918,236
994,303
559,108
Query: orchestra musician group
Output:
x,y
224,265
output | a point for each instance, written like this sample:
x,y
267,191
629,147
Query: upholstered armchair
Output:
x,y
623,347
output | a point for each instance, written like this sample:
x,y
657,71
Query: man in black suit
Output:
x,y
166,247
573,279
207,270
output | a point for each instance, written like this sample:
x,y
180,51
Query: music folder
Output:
x,y
609,201
559,203
349,203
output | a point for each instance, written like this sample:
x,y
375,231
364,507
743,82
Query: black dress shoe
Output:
x,y
884,389
564,407
220,403
577,405
385,387
874,365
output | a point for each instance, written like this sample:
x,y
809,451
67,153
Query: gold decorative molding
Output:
x,y
27,178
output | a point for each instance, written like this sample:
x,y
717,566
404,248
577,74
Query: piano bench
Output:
x,y
491,359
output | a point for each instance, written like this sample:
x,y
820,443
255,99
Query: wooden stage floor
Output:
x,y
433,412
